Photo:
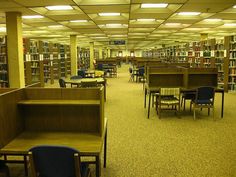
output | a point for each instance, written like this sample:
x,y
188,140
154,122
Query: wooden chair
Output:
x,y
204,99
87,84
56,161
168,99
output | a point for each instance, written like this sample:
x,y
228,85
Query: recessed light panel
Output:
x,y
159,5
59,7
109,14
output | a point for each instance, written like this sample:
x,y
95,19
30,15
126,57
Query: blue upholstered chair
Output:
x,y
62,83
204,99
56,161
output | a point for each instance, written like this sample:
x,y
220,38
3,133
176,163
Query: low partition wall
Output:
x,y
51,109
181,77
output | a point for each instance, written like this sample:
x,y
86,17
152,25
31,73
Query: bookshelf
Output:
x,y
220,55
231,55
45,55
68,59
33,62
54,57
83,58
4,82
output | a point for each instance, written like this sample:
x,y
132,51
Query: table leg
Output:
x,y
98,166
25,165
105,150
222,104
145,97
149,100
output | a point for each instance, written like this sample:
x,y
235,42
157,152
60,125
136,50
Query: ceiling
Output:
x,y
167,26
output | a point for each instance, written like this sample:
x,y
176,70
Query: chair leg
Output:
x,y
194,112
184,103
159,111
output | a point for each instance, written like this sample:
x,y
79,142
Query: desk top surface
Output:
x,y
99,80
87,144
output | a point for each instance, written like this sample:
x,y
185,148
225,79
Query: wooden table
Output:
x,y
152,90
87,144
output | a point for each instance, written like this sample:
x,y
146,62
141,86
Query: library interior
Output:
x,y
118,88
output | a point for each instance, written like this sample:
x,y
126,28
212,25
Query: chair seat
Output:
x,y
207,102
173,101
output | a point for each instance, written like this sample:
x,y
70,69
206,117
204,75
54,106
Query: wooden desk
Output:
x,y
87,144
152,90
77,82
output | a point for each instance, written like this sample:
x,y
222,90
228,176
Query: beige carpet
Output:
x,y
167,147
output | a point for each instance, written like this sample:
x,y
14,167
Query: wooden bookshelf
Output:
x,y
33,62
220,57
4,82
68,59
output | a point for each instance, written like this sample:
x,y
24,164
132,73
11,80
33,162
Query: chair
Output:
x,y
4,171
62,83
87,84
56,161
170,98
187,96
81,73
204,99
131,74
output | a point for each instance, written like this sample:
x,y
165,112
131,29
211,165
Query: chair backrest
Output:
x,y
205,93
170,91
75,77
62,83
54,161
89,83
141,71
100,66
130,70
81,73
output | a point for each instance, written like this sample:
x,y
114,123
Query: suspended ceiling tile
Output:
x,y
82,26
209,25
101,2
225,16
8,4
159,1
34,3
103,22
105,8
69,17
144,30
89,30
210,7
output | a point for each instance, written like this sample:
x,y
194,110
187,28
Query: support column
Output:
x,y
15,50
91,51
108,53
204,36
105,53
73,54
100,52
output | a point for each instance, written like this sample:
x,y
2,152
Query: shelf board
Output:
x,y
59,102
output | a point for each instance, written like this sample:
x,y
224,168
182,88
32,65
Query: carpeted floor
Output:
x,y
167,147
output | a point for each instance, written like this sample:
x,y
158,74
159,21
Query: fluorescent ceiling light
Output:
x,y
213,20
109,14
234,6
113,24
58,7
32,16
173,24
146,20
230,24
55,26
2,29
189,13
160,5
78,21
